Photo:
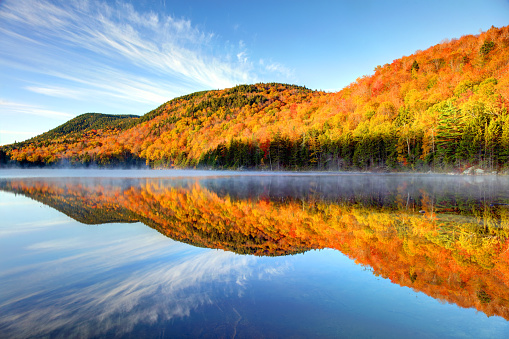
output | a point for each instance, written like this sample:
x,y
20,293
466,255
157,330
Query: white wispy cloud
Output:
x,y
242,57
277,68
9,107
115,51
55,91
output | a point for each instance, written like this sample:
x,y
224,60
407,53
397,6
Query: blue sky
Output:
x,y
59,59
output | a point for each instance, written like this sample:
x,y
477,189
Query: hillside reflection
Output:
x,y
446,237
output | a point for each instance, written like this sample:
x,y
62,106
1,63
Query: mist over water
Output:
x,y
105,173
252,254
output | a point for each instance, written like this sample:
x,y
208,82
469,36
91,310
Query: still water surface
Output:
x,y
222,255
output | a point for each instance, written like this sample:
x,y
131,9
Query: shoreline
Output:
x,y
60,172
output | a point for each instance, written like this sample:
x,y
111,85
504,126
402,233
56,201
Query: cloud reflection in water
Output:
x,y
94,286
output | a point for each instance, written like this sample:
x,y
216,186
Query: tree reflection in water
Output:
x,y
446,237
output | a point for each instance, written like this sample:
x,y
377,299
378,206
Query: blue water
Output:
x,y
60,278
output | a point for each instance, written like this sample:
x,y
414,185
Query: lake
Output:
x,y
186,254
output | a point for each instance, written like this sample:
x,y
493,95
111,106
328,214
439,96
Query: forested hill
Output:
x,y
441,108
85,123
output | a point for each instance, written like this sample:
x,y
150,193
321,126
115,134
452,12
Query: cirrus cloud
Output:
x,y
101,47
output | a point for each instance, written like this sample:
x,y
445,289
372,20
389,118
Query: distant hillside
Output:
x,y
86,122
444,108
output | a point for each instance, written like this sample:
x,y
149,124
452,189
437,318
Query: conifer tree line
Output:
x,y
458,141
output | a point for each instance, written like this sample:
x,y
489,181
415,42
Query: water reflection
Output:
x,y
446,237
124,281
151,293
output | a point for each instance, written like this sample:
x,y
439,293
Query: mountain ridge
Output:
x,y
441,108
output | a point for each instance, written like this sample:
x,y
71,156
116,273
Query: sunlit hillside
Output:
x,y
442,108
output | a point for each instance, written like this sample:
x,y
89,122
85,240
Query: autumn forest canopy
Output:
x,y
442,108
